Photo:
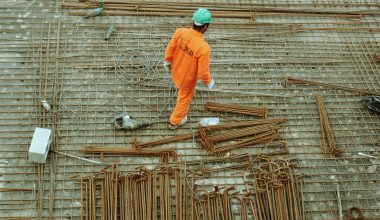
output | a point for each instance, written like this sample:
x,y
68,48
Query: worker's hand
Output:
x,y
211,84
168,66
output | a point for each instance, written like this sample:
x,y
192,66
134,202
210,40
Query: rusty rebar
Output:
x,y
127,151
229,10
167,192
263,133
236,108
192,135
326,130
291,80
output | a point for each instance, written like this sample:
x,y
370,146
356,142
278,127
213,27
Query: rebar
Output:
x,y
261,133
235,108
79,158
127,151
192,135
2,189
132,196
277,191
227,10
326,130
291,80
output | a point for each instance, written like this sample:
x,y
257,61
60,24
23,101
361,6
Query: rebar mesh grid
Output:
x,y
65,60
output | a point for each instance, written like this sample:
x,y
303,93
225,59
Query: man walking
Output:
x,y
188,57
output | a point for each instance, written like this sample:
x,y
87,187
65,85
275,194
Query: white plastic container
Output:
x,y
39,148
209,121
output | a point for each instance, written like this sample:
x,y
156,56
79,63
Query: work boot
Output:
x,y
182,122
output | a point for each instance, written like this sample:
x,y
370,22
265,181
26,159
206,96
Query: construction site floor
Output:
x,y
49,52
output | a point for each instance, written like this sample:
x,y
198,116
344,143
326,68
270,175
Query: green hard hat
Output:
x,y
202,16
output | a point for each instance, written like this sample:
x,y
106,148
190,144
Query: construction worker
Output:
x,y
187,56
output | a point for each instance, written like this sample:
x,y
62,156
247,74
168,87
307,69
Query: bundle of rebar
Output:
x,y
143,194
243,132
228,126
173,192
277,192
137,195
213,205
326,130
276,195
257,134
246,124
166,140
128,151
235,108
260,138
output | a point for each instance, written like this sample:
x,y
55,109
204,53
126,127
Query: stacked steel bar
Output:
x,y
137,198
256,135
187,136
276,195
144,194
246,124
235,108
173,192
278,192
213,205
326,130
127,151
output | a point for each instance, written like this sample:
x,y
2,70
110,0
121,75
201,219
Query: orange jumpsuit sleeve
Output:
x,y
204,66
171,47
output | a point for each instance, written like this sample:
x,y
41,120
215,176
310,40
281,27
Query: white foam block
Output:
x,y
39,148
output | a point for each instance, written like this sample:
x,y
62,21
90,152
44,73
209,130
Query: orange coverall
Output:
x,y
189,54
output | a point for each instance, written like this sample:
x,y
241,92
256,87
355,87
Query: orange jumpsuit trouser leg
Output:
x,y
182,106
